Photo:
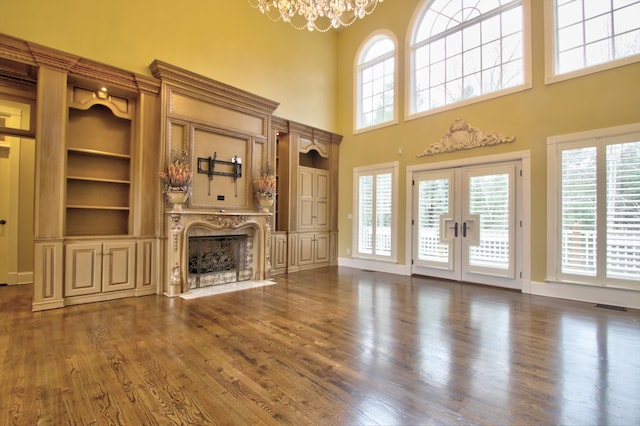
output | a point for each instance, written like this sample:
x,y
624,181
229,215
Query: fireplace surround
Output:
x,y
181,224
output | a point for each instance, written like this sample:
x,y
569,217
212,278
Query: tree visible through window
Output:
x,y
375,206
599,211
593,32
376,82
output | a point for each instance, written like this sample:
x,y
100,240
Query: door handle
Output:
x,y
464,229
456,230
2,221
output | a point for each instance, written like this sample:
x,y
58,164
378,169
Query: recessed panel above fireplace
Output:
x,y
216,181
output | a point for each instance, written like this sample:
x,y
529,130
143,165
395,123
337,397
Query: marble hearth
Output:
x,y
180,224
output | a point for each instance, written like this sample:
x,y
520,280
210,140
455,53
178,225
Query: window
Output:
x,y
594,204
590,35
463,52
375,204
376,82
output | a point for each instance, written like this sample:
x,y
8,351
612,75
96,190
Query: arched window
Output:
x,y
463,50
375,82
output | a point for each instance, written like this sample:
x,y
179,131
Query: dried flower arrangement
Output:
x,y
266,183
178,175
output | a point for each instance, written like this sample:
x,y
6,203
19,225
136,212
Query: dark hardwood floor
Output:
x,y
335,346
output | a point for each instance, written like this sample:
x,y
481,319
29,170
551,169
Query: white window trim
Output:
x,y
554,143
356,83
527,84
550,75
357,171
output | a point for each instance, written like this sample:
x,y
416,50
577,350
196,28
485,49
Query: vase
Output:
x,y
265,204
177,198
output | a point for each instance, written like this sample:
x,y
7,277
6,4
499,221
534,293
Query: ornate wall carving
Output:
x,y
461,135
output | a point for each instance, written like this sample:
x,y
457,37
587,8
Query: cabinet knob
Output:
x,y
2,221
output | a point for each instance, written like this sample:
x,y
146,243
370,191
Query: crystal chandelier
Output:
x,y
319,15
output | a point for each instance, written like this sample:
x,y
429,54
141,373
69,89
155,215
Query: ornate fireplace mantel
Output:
x,y
178,223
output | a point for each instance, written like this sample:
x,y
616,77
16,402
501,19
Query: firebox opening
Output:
x,y
219,259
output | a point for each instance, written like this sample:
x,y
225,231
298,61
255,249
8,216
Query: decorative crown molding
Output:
x,y
223,94
461,136
30,55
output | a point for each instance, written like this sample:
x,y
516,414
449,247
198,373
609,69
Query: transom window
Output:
x,y
376,82
590,33
462,50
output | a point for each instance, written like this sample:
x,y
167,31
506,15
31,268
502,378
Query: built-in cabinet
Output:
x,y
101,227
100,159
306,206
313,249
97,231
92,268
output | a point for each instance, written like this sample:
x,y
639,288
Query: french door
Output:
x,y
464,224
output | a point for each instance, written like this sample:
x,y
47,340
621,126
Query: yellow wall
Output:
x,y
231,42
605,99
226,40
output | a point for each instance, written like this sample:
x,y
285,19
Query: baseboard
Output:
x,y
43,306
373,265
18,278
578,292
25,277
586,293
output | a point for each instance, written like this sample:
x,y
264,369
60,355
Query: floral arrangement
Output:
x,y
266,183
178,175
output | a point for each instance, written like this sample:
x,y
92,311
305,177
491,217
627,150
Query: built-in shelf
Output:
x,y
98,153
91,179
78,206
98,172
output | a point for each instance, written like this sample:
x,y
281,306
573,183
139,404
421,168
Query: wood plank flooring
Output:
x,y
336,346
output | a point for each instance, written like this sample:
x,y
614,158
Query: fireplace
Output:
x,y
205,248
219,259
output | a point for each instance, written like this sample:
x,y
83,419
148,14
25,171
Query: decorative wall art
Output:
x,y
461,136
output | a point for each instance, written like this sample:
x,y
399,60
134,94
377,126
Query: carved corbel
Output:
x,y
461,136
176,229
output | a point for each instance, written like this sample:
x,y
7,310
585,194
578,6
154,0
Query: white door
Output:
x,y
464,224
4,212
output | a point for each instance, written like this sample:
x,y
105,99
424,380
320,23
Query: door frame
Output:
x,y
14,147
10,231
523,197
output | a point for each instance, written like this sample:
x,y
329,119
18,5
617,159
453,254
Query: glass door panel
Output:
x,y
488,222
436,229
464,224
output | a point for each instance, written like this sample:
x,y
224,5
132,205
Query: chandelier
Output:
x,y
319,15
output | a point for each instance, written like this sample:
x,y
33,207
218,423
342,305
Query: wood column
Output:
x,y
49,189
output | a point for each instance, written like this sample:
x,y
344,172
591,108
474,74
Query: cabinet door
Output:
x,y
307,198
321,248
279,251
118,271
306,249
83,269
314,199
321,200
